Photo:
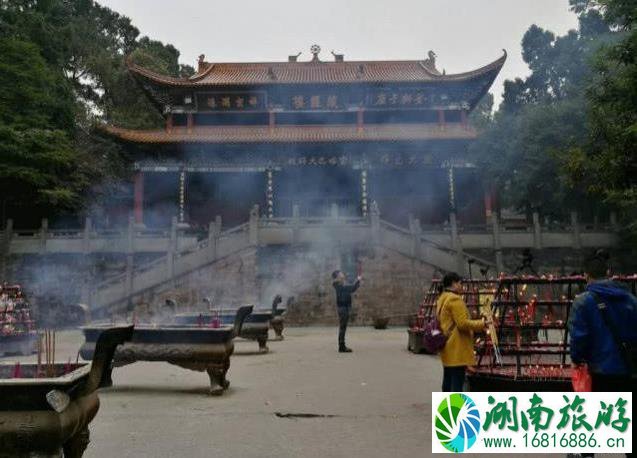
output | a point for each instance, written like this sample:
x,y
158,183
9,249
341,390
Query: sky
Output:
x,y
465,34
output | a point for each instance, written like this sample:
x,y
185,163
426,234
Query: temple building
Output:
x,y
309,137
273,175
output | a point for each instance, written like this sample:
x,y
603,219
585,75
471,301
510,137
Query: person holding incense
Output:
x,y
343,305
453,316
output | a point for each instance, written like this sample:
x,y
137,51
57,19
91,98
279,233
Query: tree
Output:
x,y
540,118
62,69
31,95
38,163
482,115
607,164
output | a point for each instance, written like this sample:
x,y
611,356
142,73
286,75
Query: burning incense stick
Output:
x,y
53,355
39,366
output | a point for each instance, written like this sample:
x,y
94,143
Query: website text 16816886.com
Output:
x,y
555,440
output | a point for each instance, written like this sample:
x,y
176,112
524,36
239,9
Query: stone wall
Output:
x,y
393,285
229,282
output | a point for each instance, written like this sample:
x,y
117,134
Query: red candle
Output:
x,y
17,371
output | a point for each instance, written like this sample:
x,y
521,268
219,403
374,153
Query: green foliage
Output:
x,y
542,120
522,158
482,115
62,68
42,165
607,164
31,95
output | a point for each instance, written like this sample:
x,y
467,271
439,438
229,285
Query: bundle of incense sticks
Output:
x,y
39,366
46,340
487,311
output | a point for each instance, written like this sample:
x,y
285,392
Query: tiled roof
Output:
x,y
295,134
218,74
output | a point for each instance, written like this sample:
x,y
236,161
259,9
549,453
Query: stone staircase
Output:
x,y
414,245
116,292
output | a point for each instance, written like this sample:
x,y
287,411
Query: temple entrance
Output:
x,y
161,196
228,194
424,193
469,196
315,190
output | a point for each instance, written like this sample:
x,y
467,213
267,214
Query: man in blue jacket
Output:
x,y
592,340
343,305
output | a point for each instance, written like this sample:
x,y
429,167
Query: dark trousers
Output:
x,y
602,382
610,383
343,318
453,379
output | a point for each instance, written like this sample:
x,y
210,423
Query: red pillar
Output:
x,y
169,123
138,194
360,119
488,204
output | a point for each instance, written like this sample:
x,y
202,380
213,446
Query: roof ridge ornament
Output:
x,y
294,57
430,62
315,50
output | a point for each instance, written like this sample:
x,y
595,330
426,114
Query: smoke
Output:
x,y
53,285
289,272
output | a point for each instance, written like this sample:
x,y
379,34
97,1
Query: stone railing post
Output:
x,y
86,239
253,232
172,249
537,231
5,249
86,264
453,227
130,258
296,222
214,229
44,229
334,211
416,232
456,242
577,239
374,218
497,243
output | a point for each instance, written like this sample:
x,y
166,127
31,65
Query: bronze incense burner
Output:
x,y
255,326
196,348
47,415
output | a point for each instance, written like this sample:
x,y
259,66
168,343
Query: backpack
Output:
x,y
434,339
627,351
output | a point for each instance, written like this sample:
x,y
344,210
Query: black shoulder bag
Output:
x,y
626,350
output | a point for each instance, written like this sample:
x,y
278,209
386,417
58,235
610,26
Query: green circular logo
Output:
x,y
457,422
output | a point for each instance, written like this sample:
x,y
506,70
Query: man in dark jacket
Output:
x,y
343,305
592,340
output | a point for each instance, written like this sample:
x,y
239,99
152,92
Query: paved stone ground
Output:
x,y
378,398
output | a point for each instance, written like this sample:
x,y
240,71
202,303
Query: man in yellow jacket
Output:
x,y
459,328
